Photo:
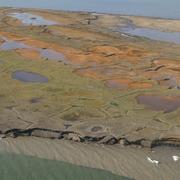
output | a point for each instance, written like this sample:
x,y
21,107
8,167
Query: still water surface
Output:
x,y
155,8
153,34
21,167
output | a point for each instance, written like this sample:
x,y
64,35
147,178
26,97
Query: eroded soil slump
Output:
x,y
101,86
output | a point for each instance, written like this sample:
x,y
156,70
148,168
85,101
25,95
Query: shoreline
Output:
x,y
129,162
99,140
142,21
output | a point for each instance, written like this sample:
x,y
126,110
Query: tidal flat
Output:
x,y
93,75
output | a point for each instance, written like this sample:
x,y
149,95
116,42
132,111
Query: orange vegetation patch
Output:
x,y
140,85
98,55
123,84
105,50
28,53
170,64
119,50
93,61
90,73
75,33
108,55
55,17
40,44
129,53
11,21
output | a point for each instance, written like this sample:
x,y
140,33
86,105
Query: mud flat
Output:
x,y
100,85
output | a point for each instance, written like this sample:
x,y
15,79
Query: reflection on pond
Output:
x,y
152,34
12,45
160,103
51,54
8,45
30,19
25,76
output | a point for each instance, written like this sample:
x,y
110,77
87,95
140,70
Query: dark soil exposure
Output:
x,y
75,76
76,137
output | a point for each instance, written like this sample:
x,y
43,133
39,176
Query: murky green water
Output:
x,y
21,167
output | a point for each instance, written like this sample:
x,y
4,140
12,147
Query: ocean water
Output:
x,y
21,167
154,8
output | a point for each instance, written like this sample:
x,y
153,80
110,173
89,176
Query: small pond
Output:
x,y
12,45
25,76
51,54
160,103
30,19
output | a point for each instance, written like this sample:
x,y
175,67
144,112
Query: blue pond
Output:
x,y
25,76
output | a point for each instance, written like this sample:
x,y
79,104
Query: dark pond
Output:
x,y
160,103
25,76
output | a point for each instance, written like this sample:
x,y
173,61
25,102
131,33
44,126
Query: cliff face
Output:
x,y
84,81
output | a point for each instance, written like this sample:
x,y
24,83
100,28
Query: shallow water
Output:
x,y
51,54
155,8
160,103
12,45
30,19
25,76
21,167
45,53
153,34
